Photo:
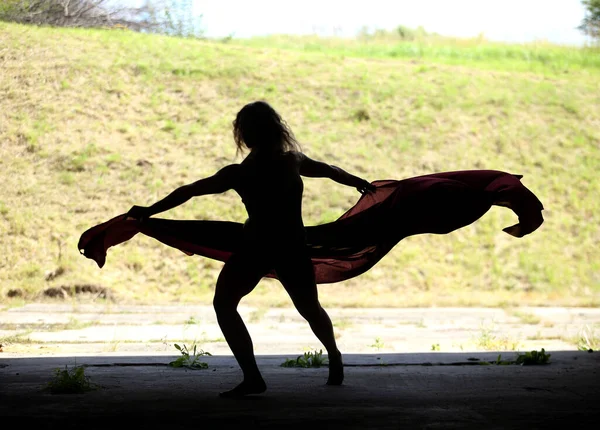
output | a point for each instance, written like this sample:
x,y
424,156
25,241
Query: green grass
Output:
x,y
540,57
17,338
343,323
72,324
487,340
257,315
526,318
95,121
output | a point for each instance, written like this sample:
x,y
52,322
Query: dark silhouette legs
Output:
x,y
299,281
239,341
239,276
321,326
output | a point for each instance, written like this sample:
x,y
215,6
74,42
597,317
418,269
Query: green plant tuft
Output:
x,y
70,381
533,357
308,359
190,360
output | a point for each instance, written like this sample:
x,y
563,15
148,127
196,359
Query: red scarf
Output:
x,y
438,203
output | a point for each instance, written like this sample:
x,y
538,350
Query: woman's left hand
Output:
x,y
139,212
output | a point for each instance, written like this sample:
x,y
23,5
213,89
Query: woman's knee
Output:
x,y
224,304
305,298
310,310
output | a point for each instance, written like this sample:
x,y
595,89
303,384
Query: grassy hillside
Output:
x,y
539,57
92,122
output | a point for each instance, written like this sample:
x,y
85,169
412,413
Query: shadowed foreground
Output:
x,y
413,390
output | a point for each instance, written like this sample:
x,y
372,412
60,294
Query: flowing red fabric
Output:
x,y
438,203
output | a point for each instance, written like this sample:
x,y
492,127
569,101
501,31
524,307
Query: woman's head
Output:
x,y
258,125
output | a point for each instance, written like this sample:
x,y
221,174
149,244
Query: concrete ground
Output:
x,y
392,380
410,391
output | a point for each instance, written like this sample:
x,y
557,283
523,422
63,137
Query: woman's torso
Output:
x,y
271,189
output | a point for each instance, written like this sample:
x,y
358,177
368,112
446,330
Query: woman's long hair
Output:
x,y
258,125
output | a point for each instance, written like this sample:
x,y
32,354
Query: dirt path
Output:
x,y
59,329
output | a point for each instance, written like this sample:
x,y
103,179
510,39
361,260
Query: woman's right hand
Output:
x,y
365,187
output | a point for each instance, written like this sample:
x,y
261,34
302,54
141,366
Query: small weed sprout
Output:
x,y
308,359
500,362
533,357
190,360
435,347
70,381
190,321
378,344
588,340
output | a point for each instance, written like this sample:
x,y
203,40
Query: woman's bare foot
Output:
x,y
253,386
336,370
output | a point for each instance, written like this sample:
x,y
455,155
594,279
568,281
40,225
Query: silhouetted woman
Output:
x,y
269,182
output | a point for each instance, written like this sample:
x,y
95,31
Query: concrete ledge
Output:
x,y
402,393
559,358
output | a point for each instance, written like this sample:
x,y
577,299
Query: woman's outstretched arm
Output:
x,y
317,169
223,180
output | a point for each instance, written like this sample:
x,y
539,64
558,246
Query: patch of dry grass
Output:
x,y
93,122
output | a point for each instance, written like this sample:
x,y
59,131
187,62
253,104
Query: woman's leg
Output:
x,y
238,277
297,275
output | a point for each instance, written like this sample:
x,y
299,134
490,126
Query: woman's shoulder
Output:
x,y
231,171
295,155
230,168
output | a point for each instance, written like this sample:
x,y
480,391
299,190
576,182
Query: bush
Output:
x,y
174,17
591,22
67,13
